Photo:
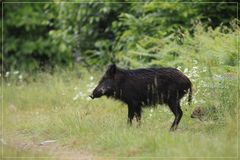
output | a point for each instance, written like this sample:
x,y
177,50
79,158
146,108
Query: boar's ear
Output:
x,y
111,69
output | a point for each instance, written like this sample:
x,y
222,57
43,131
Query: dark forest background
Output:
x,y
42,36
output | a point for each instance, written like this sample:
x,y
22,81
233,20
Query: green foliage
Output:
x,y
40,35
28,44
90,30
211,47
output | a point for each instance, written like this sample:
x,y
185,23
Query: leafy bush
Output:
x,y
212,48
28,42
40,35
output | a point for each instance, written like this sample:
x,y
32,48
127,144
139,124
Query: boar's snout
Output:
x,y
104,88
91,96
96,93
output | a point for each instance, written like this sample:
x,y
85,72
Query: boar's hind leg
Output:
x,y
176,109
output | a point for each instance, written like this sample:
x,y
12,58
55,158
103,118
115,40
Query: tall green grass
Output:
x,y
56,106
21,154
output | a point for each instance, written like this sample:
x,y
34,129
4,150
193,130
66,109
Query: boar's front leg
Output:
x,y
138,112
134,110
130,114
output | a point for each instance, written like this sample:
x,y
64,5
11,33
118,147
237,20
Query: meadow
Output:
x,y
56,106
55,53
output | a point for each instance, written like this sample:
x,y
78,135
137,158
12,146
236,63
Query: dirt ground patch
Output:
x,y
48,147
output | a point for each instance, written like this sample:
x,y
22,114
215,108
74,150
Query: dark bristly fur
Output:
x,y
145,87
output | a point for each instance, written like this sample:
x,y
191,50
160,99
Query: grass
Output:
x,y
13,153
57,107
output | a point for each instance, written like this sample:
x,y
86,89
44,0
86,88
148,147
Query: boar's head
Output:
x,y
107,84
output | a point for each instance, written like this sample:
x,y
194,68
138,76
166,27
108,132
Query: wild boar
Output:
x,y
145,87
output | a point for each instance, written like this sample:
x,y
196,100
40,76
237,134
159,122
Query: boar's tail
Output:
x,y
190,95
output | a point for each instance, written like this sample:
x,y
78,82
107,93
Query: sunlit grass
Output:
x,y
20,154
48,108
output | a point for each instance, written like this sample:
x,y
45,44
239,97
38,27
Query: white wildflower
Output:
x,y
89,90
15,72
195,61
166,110
92,84
179,67
7,74
88,98
81,94
195,68
2,141
201,101
204,69
91,78
185,70
20,77
90,87
76,97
